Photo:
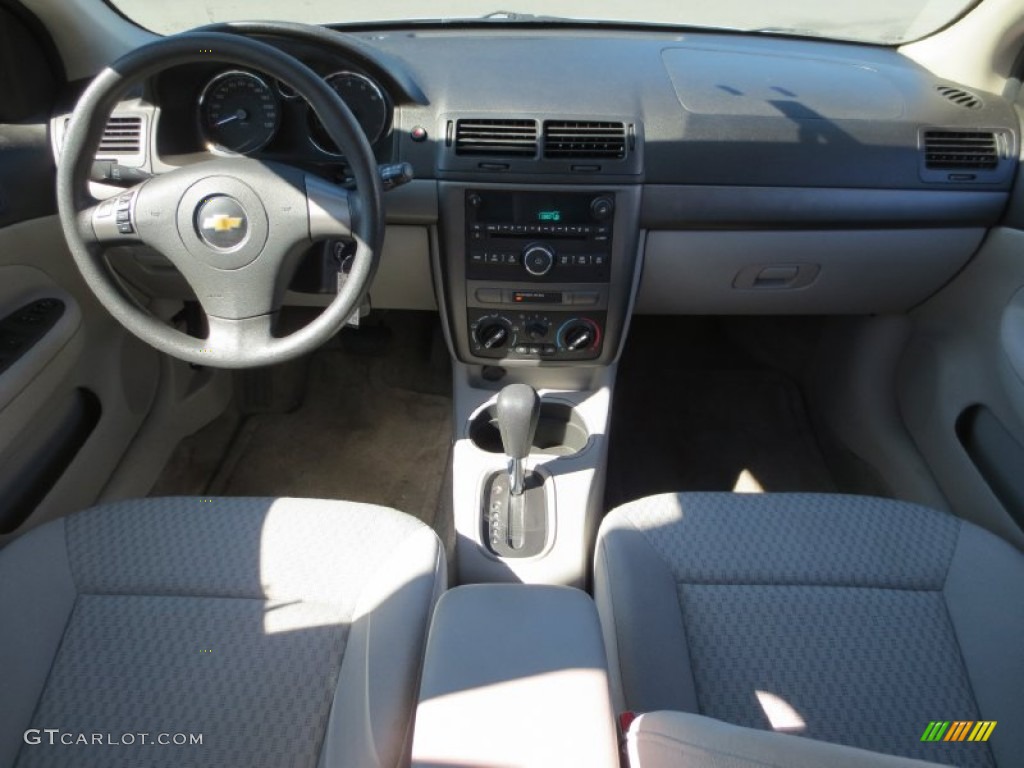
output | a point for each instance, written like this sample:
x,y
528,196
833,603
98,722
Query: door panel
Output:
x,y
71,405
74,386
963,364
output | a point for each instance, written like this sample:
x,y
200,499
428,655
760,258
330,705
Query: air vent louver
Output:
x,y
496,137
960,150
123,136
582,139
960,97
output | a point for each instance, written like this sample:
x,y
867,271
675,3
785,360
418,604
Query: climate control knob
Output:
x,y
538,259
578,335
537,329
493,333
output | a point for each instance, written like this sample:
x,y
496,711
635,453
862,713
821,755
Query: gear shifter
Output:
x,y
518,413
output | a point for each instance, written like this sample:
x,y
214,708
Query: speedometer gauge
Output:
x,y
364,98
238,112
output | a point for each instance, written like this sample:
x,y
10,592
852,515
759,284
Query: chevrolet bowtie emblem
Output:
x,y
222,222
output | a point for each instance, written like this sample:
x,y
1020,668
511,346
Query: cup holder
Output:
x,y
560,431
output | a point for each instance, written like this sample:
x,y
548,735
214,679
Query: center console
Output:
x,y
515,675
538,275
536,283
527,250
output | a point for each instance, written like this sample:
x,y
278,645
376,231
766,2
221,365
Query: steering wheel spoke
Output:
x,y
330,210
112,221
229,339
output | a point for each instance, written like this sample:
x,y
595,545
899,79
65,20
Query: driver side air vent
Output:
x,y
490,137
960,97
584,139
123,136
961,150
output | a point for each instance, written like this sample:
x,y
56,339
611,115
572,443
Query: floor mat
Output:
x,y
374,425
707,419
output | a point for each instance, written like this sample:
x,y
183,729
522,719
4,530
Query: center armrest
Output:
x,y
515,675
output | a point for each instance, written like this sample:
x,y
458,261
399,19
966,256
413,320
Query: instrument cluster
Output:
x,y
240,112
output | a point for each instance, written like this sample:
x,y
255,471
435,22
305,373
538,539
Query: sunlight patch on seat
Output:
x,y
780,713
294,616
747,483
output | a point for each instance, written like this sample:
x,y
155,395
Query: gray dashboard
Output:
x,y
763,173
714,109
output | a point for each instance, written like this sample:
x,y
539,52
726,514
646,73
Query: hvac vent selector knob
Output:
x,y
538,259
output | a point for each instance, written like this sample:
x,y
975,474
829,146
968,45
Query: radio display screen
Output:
x,y
530,207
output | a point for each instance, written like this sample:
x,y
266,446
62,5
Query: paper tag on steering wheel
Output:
x,y
353,321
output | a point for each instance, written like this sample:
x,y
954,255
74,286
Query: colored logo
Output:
x,y
222,222
958,730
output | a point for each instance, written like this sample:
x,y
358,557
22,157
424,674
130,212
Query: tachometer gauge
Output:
x,y
238,112
364,98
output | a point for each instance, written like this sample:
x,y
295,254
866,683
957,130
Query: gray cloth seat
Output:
x,y
282,632
847,620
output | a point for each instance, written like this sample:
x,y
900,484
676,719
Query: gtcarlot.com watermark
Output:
x,y
54,736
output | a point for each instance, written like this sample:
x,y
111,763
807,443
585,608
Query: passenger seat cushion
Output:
x,y
858,613
679,740
277,628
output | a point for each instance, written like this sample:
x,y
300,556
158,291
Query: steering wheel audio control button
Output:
x,y
222,222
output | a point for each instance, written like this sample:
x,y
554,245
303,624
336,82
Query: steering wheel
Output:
x,y
233,227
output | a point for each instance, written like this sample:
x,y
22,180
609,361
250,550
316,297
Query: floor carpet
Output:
x,y
373,425
693,412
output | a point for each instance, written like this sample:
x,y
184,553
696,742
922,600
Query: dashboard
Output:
x,y
740,173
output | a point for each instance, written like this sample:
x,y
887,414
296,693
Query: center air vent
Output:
x,y
960,97
960,150
583,139
496,137
123,136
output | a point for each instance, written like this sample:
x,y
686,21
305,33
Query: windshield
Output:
x,y
873,21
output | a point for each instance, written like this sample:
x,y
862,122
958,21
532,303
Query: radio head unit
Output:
x,y
535,236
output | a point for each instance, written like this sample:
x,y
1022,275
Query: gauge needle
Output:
x,y
241,114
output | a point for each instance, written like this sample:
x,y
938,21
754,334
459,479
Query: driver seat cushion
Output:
x,y
287,632
866,618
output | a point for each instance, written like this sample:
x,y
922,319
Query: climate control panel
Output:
x,y
535,335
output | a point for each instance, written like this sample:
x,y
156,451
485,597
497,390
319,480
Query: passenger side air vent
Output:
x,y
495,138
960,97
123,136
584,140
960,150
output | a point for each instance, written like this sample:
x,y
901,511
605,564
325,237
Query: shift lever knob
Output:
x,y
518,413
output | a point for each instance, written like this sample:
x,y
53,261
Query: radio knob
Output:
x,y
538,260
602,207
